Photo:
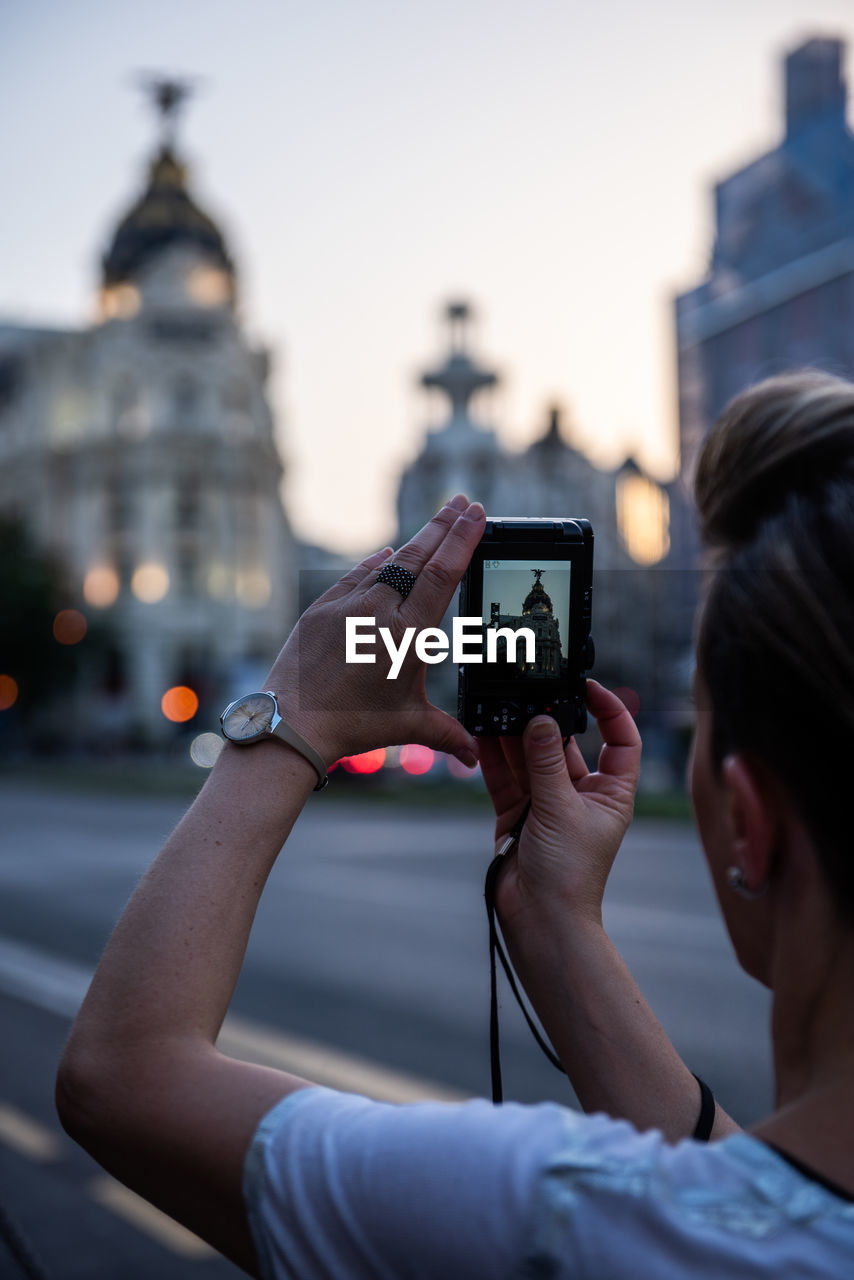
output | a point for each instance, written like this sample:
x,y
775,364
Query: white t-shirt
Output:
x,y
343,1188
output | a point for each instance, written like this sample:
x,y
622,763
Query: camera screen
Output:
x,y
534,595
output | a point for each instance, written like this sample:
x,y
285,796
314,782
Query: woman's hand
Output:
x,y
344,708
577,818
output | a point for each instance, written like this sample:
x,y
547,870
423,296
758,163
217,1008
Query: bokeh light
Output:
x,y
150,582
220,581
416,759
8,692
205,749
69,626
101,586
367,762
253,587
179,703
643,516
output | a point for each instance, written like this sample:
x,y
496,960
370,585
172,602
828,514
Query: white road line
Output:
x,y
165,1230
27,1136
49,982
42,979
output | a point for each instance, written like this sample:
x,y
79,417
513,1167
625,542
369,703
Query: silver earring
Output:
x,y
735,880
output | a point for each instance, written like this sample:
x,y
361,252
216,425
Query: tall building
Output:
x,y
780,288
140,450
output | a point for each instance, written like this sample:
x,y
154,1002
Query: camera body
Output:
x,y
528,576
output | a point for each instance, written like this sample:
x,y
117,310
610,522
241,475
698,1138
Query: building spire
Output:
x,y
168,95
166,214
459,377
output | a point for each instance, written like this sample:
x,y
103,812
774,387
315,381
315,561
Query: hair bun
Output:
x,y
788,435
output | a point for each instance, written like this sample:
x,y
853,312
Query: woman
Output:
x,y
292,1180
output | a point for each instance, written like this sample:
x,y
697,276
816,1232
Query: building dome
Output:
x,y
537,600
164,217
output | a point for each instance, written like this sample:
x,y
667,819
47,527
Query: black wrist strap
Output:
x,y
703,1129
706,1120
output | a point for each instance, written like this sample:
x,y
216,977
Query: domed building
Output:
x,y
538,615
141,451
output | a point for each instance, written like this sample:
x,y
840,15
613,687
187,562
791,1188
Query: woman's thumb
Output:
x,y
546,764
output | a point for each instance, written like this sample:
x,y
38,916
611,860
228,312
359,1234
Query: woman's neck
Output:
x,y
813,1039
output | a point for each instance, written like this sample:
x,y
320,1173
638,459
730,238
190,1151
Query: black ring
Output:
x,y
397,576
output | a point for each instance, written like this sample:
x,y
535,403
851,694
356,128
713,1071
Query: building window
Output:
x,y
118,508
187,572
185,396
187,507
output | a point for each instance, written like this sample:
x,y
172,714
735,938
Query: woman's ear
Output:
x,y
753,813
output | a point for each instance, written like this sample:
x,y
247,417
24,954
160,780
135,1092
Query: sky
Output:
x,y
368,160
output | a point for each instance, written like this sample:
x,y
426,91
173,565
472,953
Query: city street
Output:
x,y
367,969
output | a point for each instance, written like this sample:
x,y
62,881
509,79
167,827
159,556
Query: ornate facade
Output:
x,y
141,451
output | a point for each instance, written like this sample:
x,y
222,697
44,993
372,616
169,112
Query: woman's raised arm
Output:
x,y
141,1084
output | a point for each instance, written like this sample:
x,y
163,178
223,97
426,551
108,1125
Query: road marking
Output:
x,y
49,982
139,1213
253,1043
27,1136
45,980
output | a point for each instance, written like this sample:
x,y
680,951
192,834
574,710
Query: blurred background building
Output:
x,y
628,509
779,293
140,452
550,477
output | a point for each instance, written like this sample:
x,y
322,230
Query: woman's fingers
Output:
x,y
355,577
439,576
501,782
362,578
621,750
575,762
418,550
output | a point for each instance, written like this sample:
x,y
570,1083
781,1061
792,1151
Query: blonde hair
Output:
x,y
775,495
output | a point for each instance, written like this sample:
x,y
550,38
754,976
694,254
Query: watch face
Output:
x,y
248,717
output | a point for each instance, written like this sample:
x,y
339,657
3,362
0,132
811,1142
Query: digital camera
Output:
x,y
530,584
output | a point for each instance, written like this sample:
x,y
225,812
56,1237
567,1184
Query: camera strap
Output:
x,y
496,949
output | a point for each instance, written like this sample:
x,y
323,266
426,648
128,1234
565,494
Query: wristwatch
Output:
x,y
256,716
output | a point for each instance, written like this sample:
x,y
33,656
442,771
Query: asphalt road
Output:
x,y
367,969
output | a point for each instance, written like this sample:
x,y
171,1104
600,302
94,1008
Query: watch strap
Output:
x,y
293,739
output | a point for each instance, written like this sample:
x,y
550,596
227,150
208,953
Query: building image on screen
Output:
x,y
519,595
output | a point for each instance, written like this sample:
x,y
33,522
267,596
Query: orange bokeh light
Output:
x,y
417,759
367,762
8,692
179,703
69,626
101,586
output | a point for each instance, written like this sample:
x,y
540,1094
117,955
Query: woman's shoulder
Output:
x,y
599,1151
735,1207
